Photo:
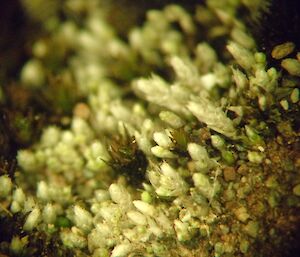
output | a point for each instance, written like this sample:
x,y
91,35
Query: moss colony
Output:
x,y
183,140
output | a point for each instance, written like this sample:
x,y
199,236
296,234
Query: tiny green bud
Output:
x,y
217,141
255,157
228,156
253,136
63,222
282,50
146,197
260,57
292,66
5,186
284,104
295,95
272,73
